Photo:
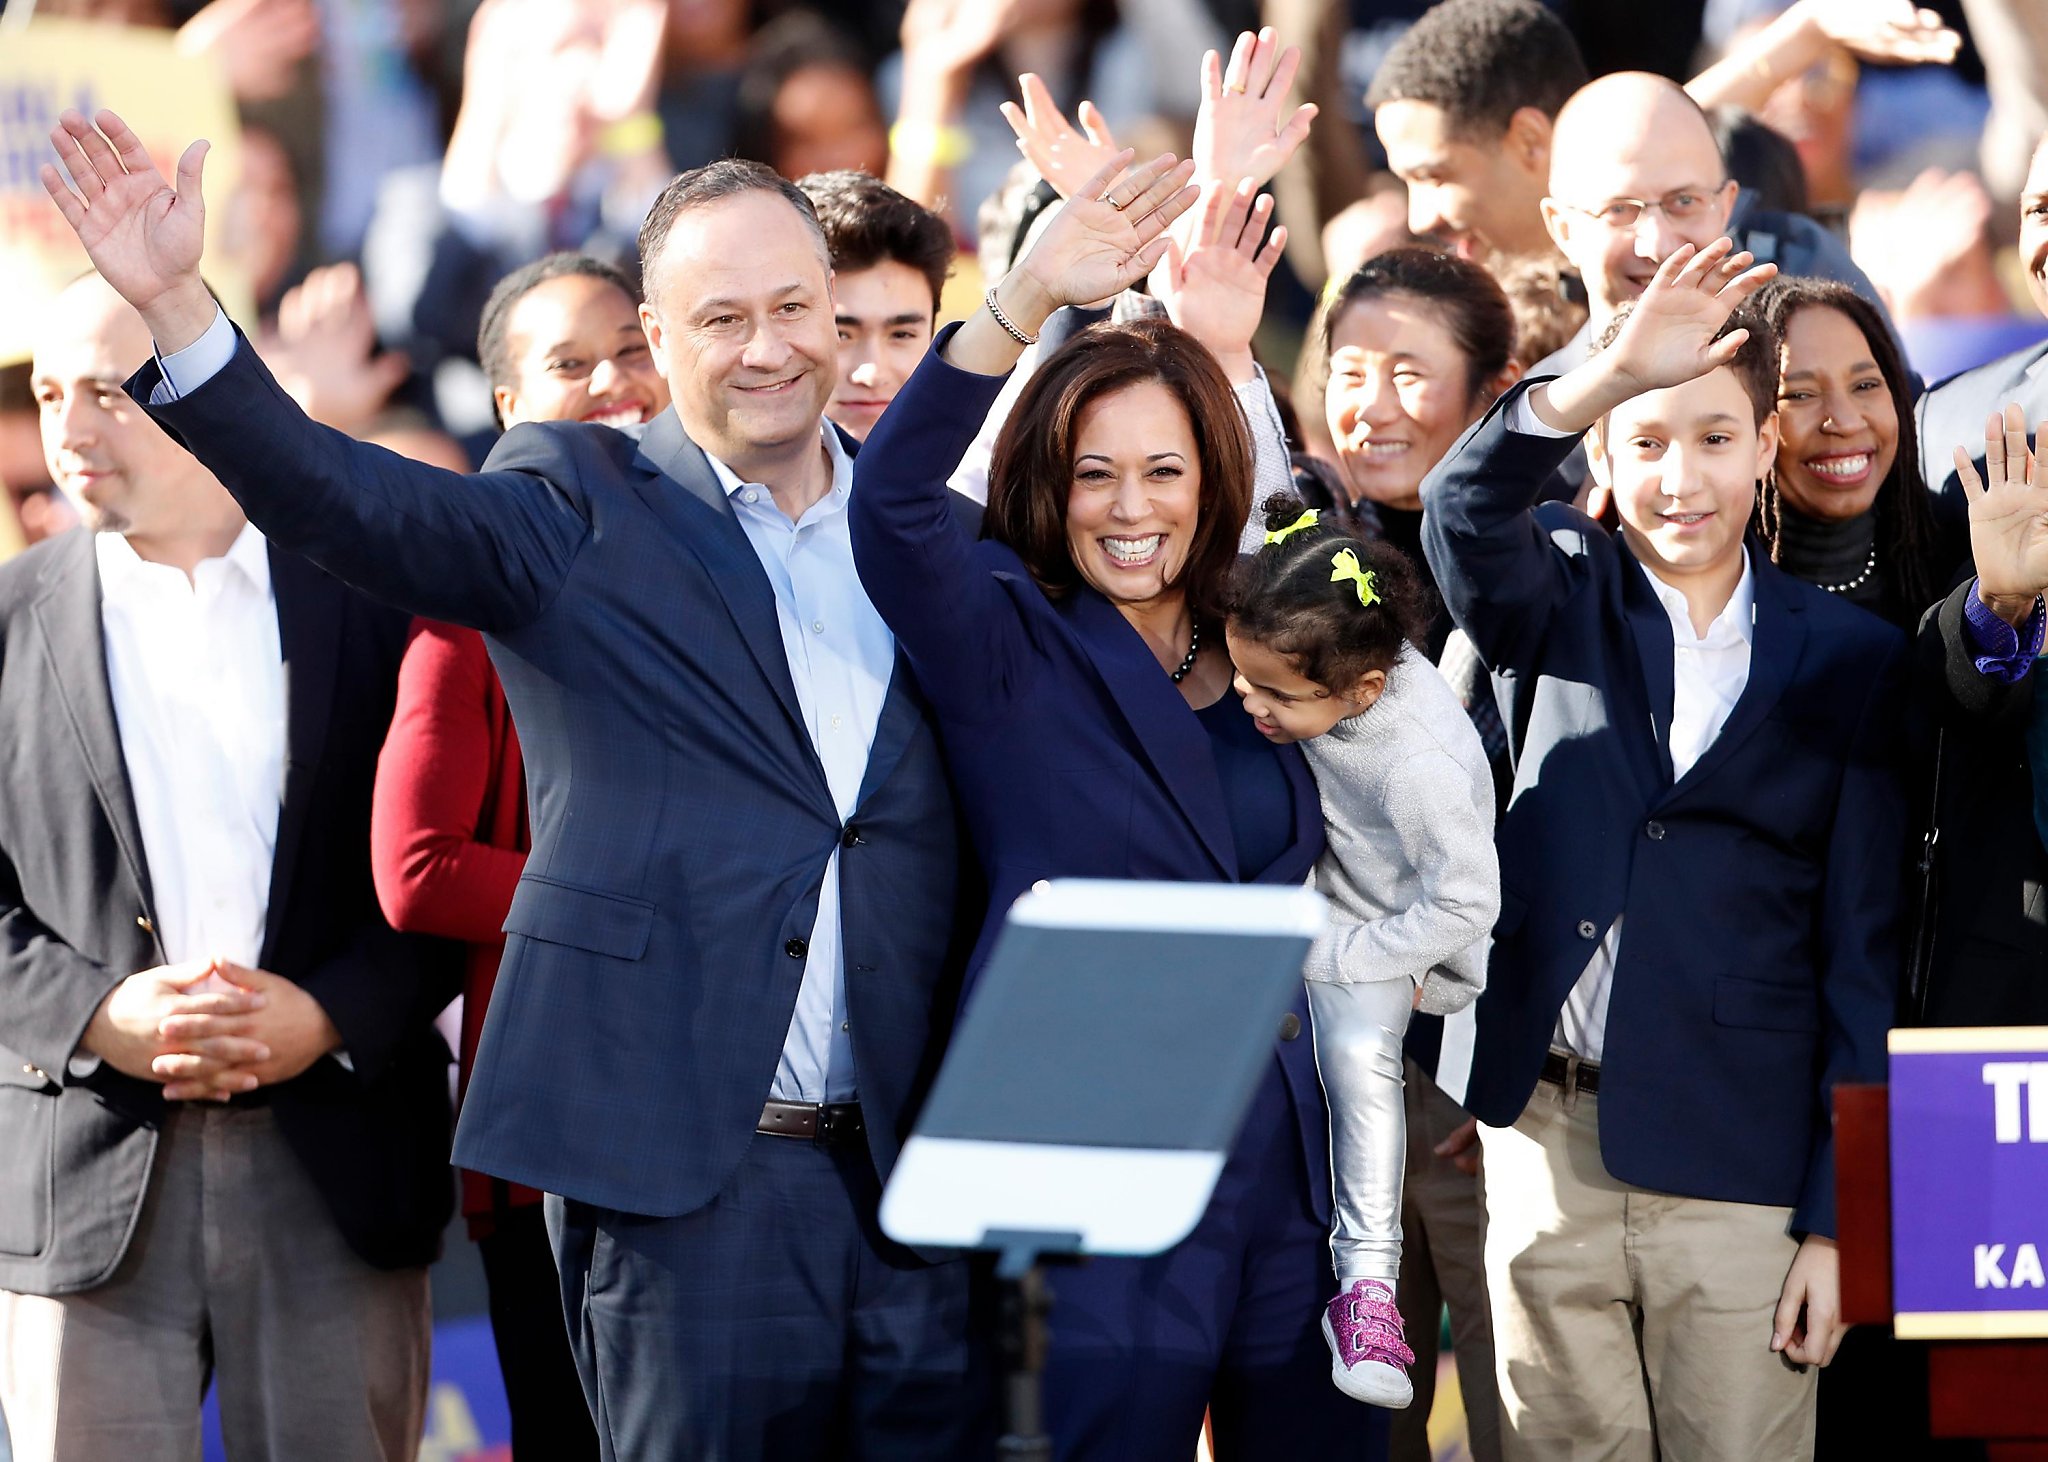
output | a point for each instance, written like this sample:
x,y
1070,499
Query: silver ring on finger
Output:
x,y
1111,200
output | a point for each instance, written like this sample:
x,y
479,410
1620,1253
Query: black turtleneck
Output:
x,y
1834,555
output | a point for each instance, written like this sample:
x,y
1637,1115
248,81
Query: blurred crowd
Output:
x,y
399,156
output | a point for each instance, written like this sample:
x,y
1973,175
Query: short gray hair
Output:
x,y
713,183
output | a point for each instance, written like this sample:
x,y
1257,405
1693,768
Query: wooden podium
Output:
x,y
1996,1390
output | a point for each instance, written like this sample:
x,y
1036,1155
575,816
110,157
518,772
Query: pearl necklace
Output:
x,y
1869,568
1194,647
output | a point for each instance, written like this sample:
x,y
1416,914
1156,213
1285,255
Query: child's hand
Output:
x,y
1667,340
1808,1326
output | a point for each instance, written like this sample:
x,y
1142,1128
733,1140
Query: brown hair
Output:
x,y
1755,366
715,182
867,222
1031,473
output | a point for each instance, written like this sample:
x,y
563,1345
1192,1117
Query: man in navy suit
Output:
x,y
1953,413
731,956
1700,868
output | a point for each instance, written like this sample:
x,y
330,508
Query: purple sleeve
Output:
x,y
2003,653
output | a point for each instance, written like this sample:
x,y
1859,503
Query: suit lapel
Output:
x,y
1778,640
1651,627
68,616
1298,859
1168,733
701,517
309,613
902,710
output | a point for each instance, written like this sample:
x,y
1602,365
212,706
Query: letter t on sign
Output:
x,y
2006,1078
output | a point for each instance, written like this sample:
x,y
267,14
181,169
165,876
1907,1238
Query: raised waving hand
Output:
x,y
1063,156
1240,132
142,235
1104,239
2008,516
1214,284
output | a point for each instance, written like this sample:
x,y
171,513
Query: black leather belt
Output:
x,y
1571,1073
822,1122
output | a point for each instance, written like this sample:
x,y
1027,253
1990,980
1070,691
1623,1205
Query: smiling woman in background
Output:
x,y
1845,507
561,341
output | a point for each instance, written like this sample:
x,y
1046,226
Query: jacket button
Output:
x,y
851,837
1655,830
142,923
796,949
1588,929
1290,1026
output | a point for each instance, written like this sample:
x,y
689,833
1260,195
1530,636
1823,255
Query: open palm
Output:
x,y
1244,129
2008,510
141,235
1109,235
1215,286
1669,337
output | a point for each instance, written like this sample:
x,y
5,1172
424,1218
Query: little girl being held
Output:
x,y
1321,630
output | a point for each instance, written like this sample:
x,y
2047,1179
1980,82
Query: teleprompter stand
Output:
x,y
1093,1089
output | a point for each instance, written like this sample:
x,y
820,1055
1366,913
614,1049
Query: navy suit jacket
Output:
x,y
1073,755
1759,960
681,818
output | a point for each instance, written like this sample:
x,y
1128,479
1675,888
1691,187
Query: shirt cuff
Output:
x,y
1522,418
185,371
2001,652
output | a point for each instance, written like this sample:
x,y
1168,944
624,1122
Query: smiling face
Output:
x,y
2034,227
1134,498
740,320
1632,137
1682,465
1838,428
1476,197
1283,703
578,354
884,318
1397,397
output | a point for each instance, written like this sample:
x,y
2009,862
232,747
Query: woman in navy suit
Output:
x,y
1074,658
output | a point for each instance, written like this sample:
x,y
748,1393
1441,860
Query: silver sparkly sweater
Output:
x,y
1410,870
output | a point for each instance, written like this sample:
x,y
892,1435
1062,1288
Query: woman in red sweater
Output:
x,y
561,341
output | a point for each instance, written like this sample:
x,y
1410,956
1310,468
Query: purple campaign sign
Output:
x,y
1969,1150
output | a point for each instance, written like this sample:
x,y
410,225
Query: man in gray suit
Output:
x,y
223,1106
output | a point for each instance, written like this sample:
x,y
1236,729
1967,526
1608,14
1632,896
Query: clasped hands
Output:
x,y
209,1029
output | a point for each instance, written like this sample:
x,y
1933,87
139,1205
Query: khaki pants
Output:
x,y
236,1272
1630,1325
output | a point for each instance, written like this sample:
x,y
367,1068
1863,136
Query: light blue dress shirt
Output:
x,y
841,657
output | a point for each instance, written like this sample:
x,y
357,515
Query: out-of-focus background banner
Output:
x,y
168,96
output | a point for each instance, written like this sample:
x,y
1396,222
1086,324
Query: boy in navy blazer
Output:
x,y
1700,868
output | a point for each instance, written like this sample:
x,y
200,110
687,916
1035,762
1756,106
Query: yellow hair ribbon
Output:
x,y
1345,566
1308,519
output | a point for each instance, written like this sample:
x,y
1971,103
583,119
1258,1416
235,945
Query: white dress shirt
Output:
x,y
841,656
197,675
1709,673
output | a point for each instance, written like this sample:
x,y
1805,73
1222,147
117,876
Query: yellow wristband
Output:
x,y
931,144
638,133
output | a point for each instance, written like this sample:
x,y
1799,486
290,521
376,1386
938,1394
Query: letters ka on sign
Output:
x,y
1969,1151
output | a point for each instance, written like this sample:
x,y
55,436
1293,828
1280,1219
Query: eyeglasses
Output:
x,y
1682,206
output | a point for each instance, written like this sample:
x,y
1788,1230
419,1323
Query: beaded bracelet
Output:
x,y
1005,321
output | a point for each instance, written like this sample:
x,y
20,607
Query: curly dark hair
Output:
x,y
1285,598
1480,62
1908,538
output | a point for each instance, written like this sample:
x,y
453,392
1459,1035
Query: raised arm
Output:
x,y
1500,573
487,553
917,562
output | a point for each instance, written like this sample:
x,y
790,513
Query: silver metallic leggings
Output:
x,y
1358,1051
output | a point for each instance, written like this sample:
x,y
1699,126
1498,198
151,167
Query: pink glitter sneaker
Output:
x,y
1368,1354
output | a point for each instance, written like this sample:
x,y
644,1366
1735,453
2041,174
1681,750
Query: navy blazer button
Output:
x,y
851,837
796,949
1588,929
142,923
1655,830
1290,1026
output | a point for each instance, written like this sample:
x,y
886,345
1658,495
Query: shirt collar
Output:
x,y
1737,619
124,573
835,452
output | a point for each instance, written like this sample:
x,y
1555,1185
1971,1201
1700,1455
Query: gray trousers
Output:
x,y
236,1273
1358,1053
